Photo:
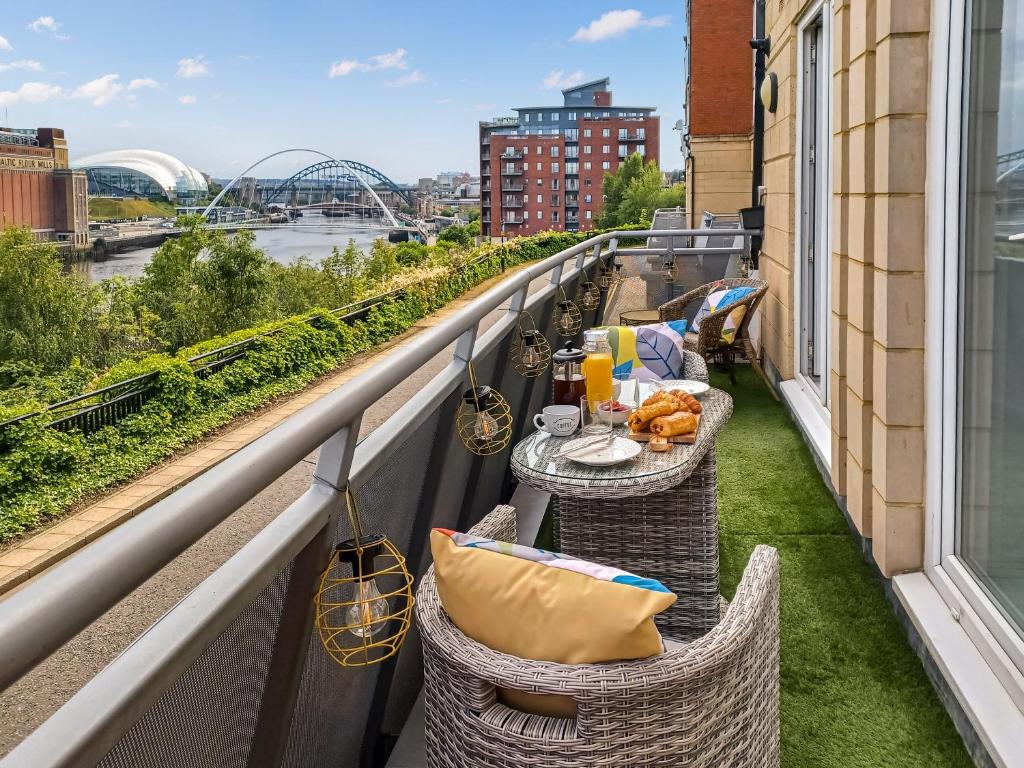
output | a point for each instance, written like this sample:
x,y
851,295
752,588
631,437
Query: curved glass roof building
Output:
x,y
142,173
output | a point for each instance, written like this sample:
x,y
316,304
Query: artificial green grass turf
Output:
x,y
853,693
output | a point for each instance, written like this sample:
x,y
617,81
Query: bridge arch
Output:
x,y
350,167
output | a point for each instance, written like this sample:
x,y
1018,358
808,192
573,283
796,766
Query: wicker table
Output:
x,y
639,317
656,515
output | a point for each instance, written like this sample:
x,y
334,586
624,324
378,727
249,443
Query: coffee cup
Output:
x,y
559,420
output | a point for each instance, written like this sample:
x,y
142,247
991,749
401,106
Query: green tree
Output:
x,y
234,279
455,235
124,326
411,253
344,270
635,192
614,188
382,264
473,214
45,314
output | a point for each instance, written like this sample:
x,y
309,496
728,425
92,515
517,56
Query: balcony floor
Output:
x,y
853,693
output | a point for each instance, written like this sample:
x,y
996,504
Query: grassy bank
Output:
x,y
108,208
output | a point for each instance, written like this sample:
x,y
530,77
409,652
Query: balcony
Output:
x,y
572,185
512,204
514,154
506,187
232,670
511,171
512,220
485,187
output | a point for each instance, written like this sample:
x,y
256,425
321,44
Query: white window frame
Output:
x,y
810,405
974,611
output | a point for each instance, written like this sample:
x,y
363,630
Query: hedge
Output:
x,y
44,471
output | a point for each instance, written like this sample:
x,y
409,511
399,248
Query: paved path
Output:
x,y
36,696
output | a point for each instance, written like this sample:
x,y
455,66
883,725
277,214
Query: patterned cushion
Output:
x,y
722,298
647,352
545,606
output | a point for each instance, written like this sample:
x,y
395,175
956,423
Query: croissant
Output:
x,y
680,423
692,403
639,418
660,396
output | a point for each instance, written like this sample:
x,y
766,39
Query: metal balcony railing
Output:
x,y
233,674
513,155
506,171
511,187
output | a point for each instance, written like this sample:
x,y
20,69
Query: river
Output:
x,y
284,245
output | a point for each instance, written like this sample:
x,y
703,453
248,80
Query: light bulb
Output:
x,y
565,322
369,614
485,427
531,358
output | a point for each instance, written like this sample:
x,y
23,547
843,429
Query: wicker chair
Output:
x,y
711,702
694,367
708,342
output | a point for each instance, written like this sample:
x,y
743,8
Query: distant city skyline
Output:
x,y
399,87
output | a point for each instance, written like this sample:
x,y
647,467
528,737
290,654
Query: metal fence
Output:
x,y
233,675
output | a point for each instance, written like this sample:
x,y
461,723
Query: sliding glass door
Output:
x,y
989,466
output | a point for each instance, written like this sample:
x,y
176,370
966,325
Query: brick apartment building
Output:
x,y
544,168
37,188
720,111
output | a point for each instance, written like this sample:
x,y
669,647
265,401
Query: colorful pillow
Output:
x,y
545,606
723,298
647,352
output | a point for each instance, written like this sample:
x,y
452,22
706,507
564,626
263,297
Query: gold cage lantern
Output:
x,y
589,295
364,603
484,420
568,320
530,352
604,279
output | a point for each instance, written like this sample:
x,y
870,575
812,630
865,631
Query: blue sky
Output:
x,y
222,84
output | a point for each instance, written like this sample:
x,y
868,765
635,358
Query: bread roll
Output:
x,y
681,423
639,419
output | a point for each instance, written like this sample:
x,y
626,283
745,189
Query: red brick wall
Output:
x,y
721,67
26,199
597,157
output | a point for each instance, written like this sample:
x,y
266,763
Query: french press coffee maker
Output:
x,y
568,384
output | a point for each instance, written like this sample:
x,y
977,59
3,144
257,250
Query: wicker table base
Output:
x,y
671,536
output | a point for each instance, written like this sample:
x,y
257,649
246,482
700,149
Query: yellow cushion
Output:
x,y
540,605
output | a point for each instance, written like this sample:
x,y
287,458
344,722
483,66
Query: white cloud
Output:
x,y
4,45
558,79
47,24
485,107
616,23
189,99
35,66
142,82
396,59
100,91
342,68
124,124
446,100
32,93
411,79
195,66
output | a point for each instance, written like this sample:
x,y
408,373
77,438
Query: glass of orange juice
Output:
x,y
597,367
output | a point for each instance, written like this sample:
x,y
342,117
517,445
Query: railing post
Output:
x,y
295,628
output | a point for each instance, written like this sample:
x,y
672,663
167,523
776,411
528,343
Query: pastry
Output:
x,y
679,423
639,419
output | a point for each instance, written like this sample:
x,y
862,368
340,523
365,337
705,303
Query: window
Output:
x,y
554,151
572,117
605,114
587,149
588,198
641,133
587,183
588,215
587,165
540,182
606,133
554,184
538,149
641,150
572,134
622,150
554,168
555,201
526,117
572,151
540,214
587,115
623,134
572,168
540,165
554,117
554,216
540,198
606,165
606,149
586,133
540,117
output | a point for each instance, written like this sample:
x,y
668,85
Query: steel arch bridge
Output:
x,y
359,186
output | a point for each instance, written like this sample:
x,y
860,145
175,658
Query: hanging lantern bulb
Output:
x,y
530,351
364,604
589,295
484,420
605,280
568,320
670,270
617,276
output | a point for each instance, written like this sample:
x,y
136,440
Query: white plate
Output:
x,y
688,386
604,454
